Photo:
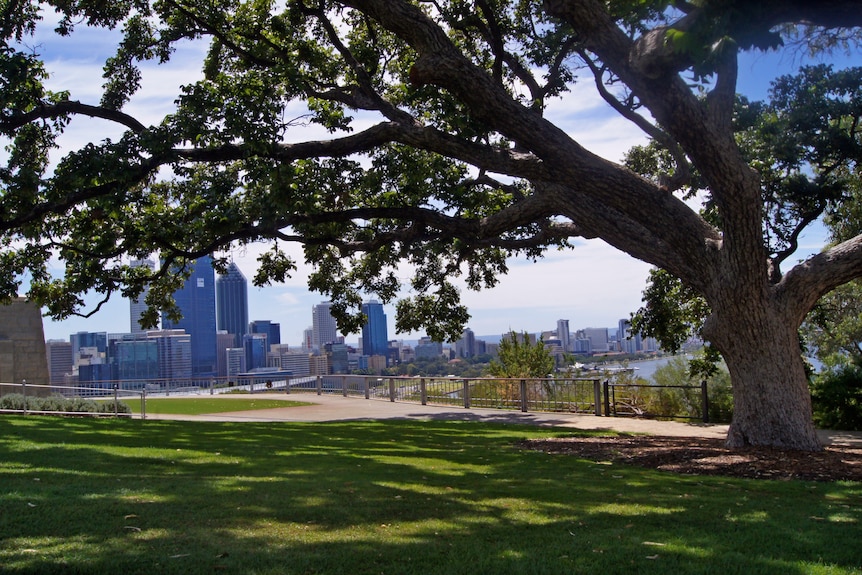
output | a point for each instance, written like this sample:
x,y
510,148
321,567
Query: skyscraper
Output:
x,y
59,360
196,301
232,303
564,335
137,306
375,337
324,328
254,346
268,328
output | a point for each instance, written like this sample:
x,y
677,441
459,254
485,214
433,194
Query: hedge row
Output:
x,y
59,403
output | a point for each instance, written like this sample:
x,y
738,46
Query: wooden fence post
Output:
x,y
597,396
523,389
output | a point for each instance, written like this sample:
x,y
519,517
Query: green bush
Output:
x,y
836,397
684,398
59,403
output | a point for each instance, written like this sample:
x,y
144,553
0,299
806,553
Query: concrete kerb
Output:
x,y
327,408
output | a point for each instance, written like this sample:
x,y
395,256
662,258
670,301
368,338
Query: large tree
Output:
x,y
439,156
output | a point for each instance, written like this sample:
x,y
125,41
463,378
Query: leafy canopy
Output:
x,y
518,357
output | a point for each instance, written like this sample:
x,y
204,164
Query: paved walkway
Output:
x,y
339,408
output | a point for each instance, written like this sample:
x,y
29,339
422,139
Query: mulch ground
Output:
x,y
700,456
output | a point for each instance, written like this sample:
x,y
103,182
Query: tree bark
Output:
x,y
771,399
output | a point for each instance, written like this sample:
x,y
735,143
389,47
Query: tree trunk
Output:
x,y
771,399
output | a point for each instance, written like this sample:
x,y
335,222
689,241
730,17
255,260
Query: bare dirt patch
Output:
x,y
703,456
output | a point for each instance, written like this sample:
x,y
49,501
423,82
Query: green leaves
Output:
x,y
518,357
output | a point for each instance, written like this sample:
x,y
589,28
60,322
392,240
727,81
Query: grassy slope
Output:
x,y
108,496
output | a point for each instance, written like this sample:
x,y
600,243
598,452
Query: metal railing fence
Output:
x,y
569,395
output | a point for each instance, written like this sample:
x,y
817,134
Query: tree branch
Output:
x,y
810,280
65,107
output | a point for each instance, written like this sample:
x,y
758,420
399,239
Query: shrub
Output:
x,y
836,397
58,403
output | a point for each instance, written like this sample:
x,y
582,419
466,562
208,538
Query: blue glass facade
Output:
x,y
135,359
255,345
197,303
270,329
232,303
375,335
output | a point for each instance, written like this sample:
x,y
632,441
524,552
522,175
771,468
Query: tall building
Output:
x,y
59,360
255,348
375,336
88,340
138,306
232,303
626,343
235,358
428,349
134,358
224,341
175,353
466,346
598,337
324,329
270,329
197,303
564,335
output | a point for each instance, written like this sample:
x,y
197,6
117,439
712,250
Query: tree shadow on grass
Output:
x,y
426,497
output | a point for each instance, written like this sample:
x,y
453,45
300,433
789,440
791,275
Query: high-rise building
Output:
x,y
224,341
598,337
197,303
324,328
466,346
235,358
564,335
337,355
175,353
135,358
138,306
375,336
270,329
428,349
90,341
255,346
60,362
232,303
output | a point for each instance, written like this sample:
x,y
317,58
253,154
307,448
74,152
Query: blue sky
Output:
x,y
592,285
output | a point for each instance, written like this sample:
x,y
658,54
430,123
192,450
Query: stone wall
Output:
x,y
22,346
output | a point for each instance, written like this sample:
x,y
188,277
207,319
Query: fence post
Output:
x,y
144,404
365,387
607,398
466,394
423,392
597,396
391,390
319,385
116,400
704,399
523,390
287,385
24,393
344,385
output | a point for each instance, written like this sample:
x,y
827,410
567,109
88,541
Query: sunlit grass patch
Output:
x,y
207,405
132,496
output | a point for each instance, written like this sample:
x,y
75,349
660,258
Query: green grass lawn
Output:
x,y
213,404
394,497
